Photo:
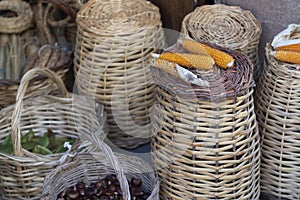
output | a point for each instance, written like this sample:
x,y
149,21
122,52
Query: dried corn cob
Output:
x,y
193,47
291,47
166,66
221,58
287,56
188,60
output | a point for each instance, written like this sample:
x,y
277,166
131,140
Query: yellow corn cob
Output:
x,y
291,47
193,47
287,56
189,60
222,59
166,66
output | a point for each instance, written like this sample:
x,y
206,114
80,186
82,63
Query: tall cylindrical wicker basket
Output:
x,y
227,26
206,140
113,46
16,19
278,114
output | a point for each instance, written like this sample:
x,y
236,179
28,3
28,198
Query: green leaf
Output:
x,y
44,141
29,145
28,136
60,149
6,148
7,140
41,150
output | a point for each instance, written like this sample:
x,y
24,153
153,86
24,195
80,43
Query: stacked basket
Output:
x,y
227,26
206,141
277,108
113,46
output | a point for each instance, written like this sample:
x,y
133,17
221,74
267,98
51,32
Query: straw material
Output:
x,y
113,46
206,145
227,26
277,108
53,18
92,167
17,24
15,20
22,174
50,57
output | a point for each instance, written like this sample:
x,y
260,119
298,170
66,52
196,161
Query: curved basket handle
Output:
x,y
16,116
113,160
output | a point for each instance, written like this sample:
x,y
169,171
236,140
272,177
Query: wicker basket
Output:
x,y
15,20
50,57
206,140
22,174
54,19
227,26
113,46
90,167
278,115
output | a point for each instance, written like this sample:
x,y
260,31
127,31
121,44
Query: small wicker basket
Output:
x,y
91,167
278,115
227,26
206,140
22,174
16,19
50,57
113,46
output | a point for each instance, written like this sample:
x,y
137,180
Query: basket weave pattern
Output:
x,y
206,140
114,42
227,26
22,174
277,108
92,167
49,57
227,170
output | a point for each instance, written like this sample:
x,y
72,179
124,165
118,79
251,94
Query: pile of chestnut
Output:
x,y
107,188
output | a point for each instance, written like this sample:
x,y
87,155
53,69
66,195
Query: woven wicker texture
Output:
x,y
206,146
16,18
113,46
19,23
227,26
22,174
278,115
53,18
92,167
48,56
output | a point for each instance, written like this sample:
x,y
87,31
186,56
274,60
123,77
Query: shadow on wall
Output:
x,y
174,11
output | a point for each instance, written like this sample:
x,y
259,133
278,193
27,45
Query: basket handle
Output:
x,y
16,116
97,140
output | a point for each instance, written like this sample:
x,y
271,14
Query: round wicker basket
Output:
x,y
50,57
91,167
278,115
227,26
206,140
23,172
16,18
113,46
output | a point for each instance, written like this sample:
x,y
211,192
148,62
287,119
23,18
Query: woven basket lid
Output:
x,y
227,26
117,16
18,23
228,83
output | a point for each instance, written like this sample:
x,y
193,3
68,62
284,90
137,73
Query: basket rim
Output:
x,y
186,90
